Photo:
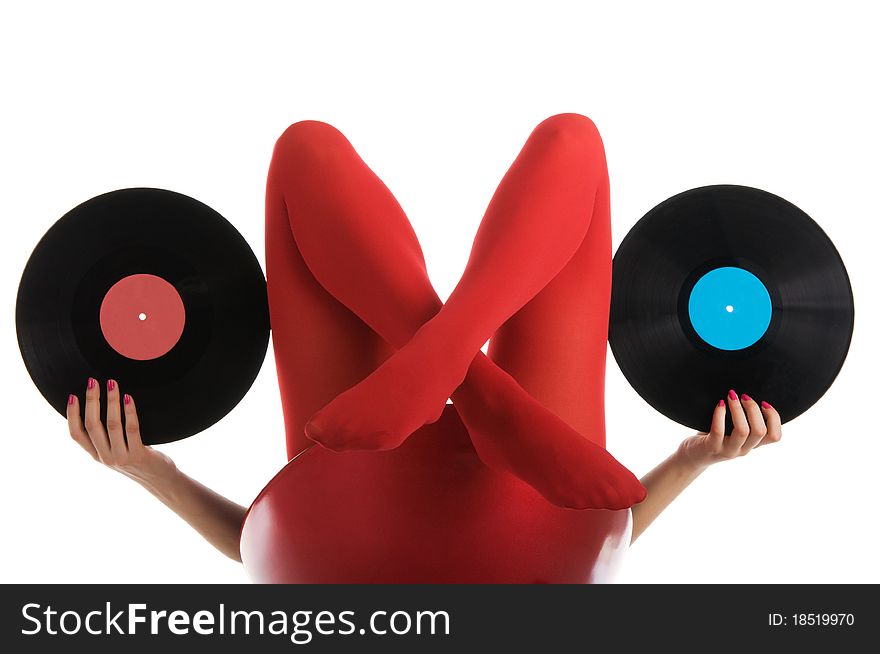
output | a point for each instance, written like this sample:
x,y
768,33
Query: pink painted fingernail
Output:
x,y
110,384
92,382
746,397
70,399
766,405
720,402
126,398
732,395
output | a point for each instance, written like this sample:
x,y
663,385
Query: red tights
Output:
x,y
366,352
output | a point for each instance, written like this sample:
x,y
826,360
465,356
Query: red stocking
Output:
x,y
541,255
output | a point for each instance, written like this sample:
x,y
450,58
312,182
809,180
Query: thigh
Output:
x,y
321,348
555,346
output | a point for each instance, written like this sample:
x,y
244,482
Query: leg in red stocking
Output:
x,y
356,240
555,346
320,347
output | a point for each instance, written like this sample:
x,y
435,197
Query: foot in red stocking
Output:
x,y
407,391
543,450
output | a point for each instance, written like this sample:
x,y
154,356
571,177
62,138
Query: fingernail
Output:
x,y
766,405
92,382
720,402
126,398
746,397
110,384
732,395
70,399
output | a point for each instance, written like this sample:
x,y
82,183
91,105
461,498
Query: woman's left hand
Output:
x,y
754,424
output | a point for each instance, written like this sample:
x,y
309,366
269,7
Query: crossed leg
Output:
x,y
354,255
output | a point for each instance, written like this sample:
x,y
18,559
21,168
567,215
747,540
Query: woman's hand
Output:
x,y
216,518
116,447
754,425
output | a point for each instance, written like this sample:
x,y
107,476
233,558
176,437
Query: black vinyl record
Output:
x,y
729,287
151,288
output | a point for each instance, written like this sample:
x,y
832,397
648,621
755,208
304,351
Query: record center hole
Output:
x,y
142,316
728,308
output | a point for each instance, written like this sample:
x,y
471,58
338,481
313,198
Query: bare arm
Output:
x,y
753,425
216,518
664,483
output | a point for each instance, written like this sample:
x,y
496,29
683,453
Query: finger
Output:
x,y
93,418
715,437
75,426
132,426
114,418
757,427
740,424
774,424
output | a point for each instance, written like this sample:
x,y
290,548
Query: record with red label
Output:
x,y
151,288
729,287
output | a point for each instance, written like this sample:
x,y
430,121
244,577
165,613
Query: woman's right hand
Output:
x,y
216,518
116,447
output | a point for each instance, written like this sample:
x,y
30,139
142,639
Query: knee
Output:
x,y
309,142
569,128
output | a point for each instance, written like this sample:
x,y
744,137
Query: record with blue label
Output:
x,y
729,287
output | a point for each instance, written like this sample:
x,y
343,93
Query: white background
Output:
x,y
438,99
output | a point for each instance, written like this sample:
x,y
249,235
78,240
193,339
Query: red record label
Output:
x,y
142,316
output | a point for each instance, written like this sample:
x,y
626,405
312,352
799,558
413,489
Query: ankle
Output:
x,y
458,343
444,352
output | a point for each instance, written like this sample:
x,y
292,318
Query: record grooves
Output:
x,y
203,337
725,287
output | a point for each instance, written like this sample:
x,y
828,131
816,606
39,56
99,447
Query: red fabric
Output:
x,y
428,511
366,353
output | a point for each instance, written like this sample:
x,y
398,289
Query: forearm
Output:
x,y
664,483
215,517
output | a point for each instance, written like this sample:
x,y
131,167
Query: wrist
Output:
x,y
160,474
688,464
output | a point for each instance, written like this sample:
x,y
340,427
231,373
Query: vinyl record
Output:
x,y
155,290
725,287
